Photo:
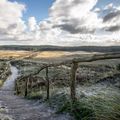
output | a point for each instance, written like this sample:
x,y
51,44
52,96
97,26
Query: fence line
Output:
x,y
74,65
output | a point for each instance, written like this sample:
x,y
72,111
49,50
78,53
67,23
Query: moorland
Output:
x,y
97,83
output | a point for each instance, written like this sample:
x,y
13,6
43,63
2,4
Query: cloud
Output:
x,y
10,13
11,23
97,10
70,22
109,6
71,28
65,15
111,16
111,21
32,24
113,28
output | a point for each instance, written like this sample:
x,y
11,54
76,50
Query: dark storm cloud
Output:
x,y
67,27
113,28
71,28
110,16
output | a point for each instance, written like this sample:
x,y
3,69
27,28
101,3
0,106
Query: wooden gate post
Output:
x,y
48,84
74,67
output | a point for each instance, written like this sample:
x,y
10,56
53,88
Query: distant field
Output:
x,y
12,54
52,56
36,55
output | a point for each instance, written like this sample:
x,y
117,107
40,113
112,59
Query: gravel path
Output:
x,y
17,108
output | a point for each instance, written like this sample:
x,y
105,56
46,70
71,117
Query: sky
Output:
x,y
60,22
37,8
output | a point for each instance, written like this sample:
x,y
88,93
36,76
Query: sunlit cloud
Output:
x,y
70,22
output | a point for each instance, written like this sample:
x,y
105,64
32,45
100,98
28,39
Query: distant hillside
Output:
x,y
61,48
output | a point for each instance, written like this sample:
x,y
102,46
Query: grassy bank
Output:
x,y
97,89
92,108
4,72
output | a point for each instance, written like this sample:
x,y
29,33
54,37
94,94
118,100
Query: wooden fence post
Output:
x,y
26,87
48,84
74,67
